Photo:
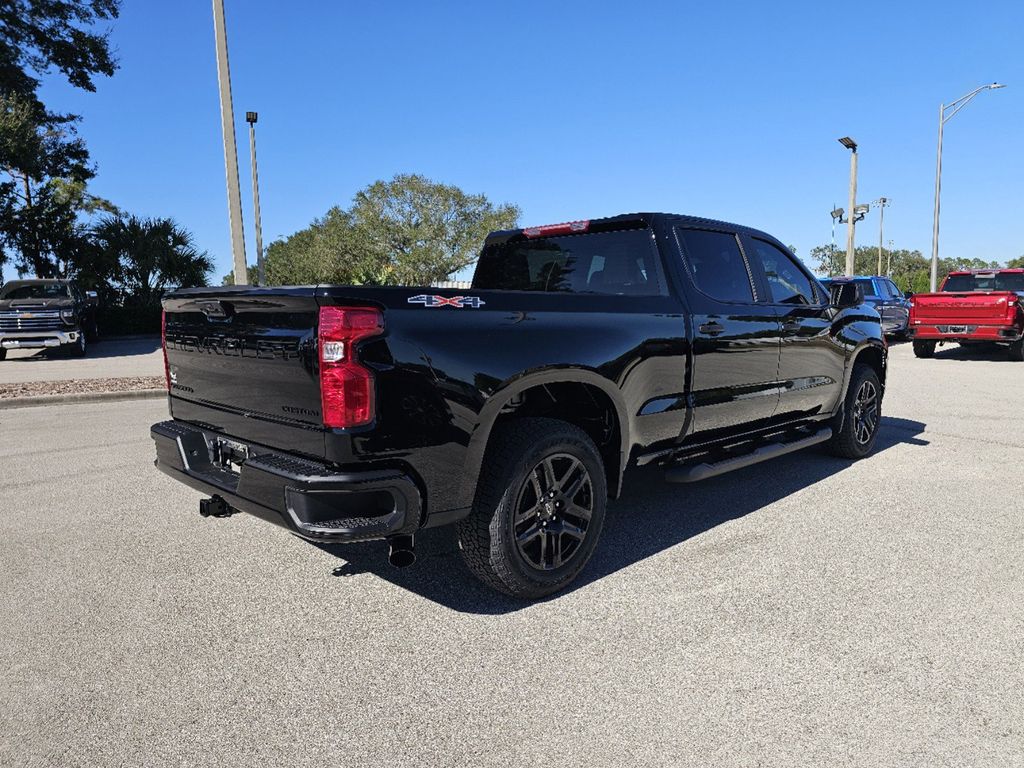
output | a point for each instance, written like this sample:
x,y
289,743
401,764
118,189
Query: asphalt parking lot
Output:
x,y
802,612
109,358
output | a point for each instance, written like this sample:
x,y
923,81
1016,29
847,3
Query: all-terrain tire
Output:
x,y
1016,351
924,348
488,538
861,416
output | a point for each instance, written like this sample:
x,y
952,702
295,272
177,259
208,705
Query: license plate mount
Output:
x,y
229,454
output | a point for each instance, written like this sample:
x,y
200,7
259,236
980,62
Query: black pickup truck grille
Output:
x,y
30,321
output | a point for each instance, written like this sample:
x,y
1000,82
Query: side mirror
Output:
x,y
91,297
845,295
908,294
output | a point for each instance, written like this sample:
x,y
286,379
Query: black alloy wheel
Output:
x,y
539,508
553,511
865,412
855,429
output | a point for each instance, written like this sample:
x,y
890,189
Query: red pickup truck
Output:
x,y
976,307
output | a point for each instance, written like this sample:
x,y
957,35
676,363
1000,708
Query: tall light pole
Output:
x,y
881,202
955,106
227,124
250,118
837,215
851,219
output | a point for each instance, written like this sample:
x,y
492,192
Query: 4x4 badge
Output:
x,y
447,301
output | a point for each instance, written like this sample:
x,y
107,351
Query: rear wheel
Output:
x,y
924,348
539,508
1016,351
862,415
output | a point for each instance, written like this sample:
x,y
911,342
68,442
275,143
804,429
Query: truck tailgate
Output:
x,y
963,308
244,362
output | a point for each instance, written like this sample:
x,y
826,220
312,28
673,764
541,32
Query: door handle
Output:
x,y
791,325
711,329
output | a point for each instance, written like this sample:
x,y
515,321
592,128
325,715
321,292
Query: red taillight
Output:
x,y
346,386
548,230
163,343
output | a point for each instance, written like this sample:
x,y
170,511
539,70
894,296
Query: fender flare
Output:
x,y
488,416
868,343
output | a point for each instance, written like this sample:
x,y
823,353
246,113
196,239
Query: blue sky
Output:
x,y
573,110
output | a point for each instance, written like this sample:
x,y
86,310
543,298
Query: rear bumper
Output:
x,y
37,339
891,329
309,498
965,332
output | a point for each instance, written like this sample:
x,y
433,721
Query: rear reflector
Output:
x,y
549,230
163,344
346,386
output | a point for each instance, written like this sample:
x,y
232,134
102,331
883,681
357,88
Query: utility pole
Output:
x,y
881,202
837,215
851,219
227,122
250,118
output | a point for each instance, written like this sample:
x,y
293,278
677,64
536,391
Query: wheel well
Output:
x,y
583,405
873,357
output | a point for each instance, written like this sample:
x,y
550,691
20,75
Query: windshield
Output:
x,y
985,281
34,291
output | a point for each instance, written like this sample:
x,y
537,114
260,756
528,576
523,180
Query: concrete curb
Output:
x,y
81,397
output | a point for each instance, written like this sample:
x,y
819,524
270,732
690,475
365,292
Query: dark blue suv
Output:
x,y
882,294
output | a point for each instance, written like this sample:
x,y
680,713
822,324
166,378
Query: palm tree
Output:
x,y
152,256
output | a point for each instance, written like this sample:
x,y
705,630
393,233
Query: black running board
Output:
x,y
694,472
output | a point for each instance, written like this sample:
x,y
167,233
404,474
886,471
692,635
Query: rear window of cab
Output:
x,y
618,263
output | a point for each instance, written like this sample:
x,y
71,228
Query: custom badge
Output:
x,y
447,301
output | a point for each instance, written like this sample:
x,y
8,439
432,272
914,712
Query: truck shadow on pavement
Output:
x,y
993,353
104,348
651,516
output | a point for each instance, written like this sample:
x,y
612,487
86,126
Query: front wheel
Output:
x,y
861,416
924,348
3,353
539,508
79,347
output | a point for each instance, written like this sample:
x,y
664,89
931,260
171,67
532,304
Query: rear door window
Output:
x,y
623,263
716,264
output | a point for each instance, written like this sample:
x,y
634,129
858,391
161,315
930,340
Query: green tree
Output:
x,y
1017,263
38,146
910,270
145,258
406,231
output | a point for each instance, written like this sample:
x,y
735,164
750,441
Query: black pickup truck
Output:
x,y
514,408
46,314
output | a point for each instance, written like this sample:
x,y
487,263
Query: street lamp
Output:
x,y
250,118
851,219
955,106
881,202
